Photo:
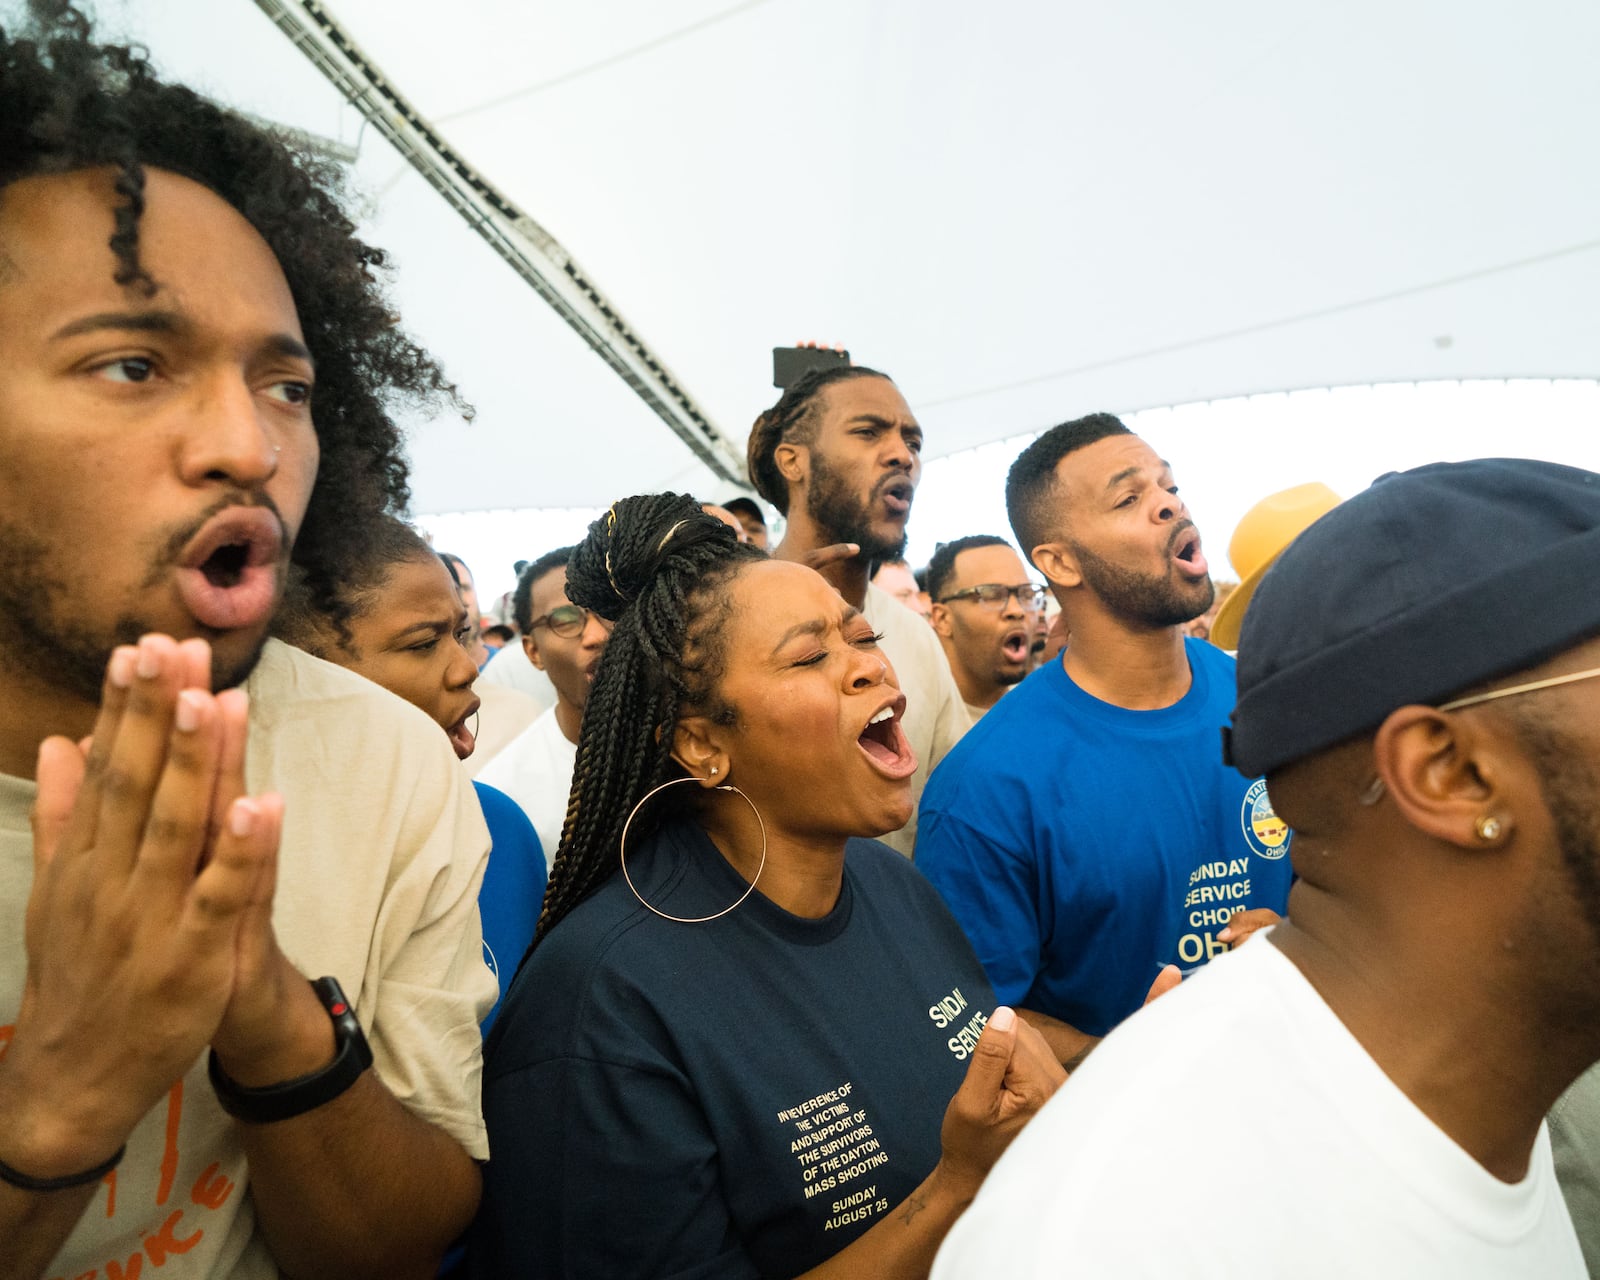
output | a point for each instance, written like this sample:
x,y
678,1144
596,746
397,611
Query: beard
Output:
x,y
838,512
1153,600
56,638
1569,792
38,637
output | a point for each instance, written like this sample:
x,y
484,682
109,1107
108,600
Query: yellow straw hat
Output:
x,y
1267,528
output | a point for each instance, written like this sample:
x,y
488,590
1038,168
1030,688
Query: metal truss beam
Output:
x,y
532,252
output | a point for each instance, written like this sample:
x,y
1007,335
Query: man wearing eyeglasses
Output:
x,y
1085,834
565,642
1416,681
984,610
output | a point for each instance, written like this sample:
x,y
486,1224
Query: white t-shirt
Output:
x,y
935,716
382,854
1236,1130
513,667
536,772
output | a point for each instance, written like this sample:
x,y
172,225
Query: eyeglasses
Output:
x,y
1520,688
1374,790
1028,594
566,620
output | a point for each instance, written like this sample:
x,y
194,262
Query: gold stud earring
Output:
x,y
1487,828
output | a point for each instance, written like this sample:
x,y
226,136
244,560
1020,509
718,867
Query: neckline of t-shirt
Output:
x,y
1160,720
756,911
1391,1126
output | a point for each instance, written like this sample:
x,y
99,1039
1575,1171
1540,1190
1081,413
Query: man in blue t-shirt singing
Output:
x,y
1086,833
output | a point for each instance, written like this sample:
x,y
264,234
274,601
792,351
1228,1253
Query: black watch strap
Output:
x,y
351,1056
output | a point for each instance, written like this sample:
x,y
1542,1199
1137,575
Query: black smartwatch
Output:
x,y
351,1056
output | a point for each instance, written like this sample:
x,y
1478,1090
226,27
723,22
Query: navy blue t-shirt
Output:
x,y
738,1098
1084,846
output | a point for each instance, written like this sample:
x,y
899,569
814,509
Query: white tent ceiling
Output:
x,y
1024,211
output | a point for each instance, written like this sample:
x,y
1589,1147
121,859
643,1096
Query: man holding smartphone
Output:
x,y
840,455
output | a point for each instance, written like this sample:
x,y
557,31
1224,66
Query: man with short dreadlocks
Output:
x,y
240,962
840,455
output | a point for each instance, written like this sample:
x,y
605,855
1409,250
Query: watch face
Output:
x,y
347,1032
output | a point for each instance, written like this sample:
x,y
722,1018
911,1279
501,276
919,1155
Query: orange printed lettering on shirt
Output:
x,y
164,1242
169,1155
116,1271
211,1189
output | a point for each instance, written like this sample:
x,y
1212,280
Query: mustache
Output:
x,y
172,547
1178,533
893,478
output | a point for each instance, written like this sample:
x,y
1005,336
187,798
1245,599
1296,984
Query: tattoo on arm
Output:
x,y
9,271
915,1204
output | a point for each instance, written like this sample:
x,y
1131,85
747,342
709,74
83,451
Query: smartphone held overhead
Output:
x,y
790,363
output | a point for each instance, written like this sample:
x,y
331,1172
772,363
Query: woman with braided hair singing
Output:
x,y
745,1042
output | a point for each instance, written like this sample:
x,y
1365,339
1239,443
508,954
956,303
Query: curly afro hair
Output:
x,y
68,103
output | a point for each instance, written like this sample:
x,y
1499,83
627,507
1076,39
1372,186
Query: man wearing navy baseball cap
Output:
x,y
1365,1094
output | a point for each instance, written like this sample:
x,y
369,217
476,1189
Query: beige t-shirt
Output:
x,y
935,716
383,851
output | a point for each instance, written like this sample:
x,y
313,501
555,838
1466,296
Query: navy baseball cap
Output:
x,y
1429,582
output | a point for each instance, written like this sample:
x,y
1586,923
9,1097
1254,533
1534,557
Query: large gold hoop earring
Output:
x,y
622,854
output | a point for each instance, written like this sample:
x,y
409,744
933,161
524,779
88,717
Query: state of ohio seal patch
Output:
x,y
1264,831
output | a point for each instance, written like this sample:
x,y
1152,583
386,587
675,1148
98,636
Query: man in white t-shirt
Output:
x,y
1362,1090
840,455
566,643
240,959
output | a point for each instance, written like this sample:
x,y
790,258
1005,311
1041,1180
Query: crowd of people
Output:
x,y
735,900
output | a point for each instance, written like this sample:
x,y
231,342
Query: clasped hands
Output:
x,y
148,929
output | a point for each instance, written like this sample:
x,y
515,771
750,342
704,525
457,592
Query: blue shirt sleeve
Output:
x,y
513,888
993,892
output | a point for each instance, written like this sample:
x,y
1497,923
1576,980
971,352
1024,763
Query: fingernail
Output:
x,y
242,818
1225,935
1003,1018
187,715
149,659
123,659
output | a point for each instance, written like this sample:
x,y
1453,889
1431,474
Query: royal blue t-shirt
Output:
x,y
1082,846
513,888
738,1098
